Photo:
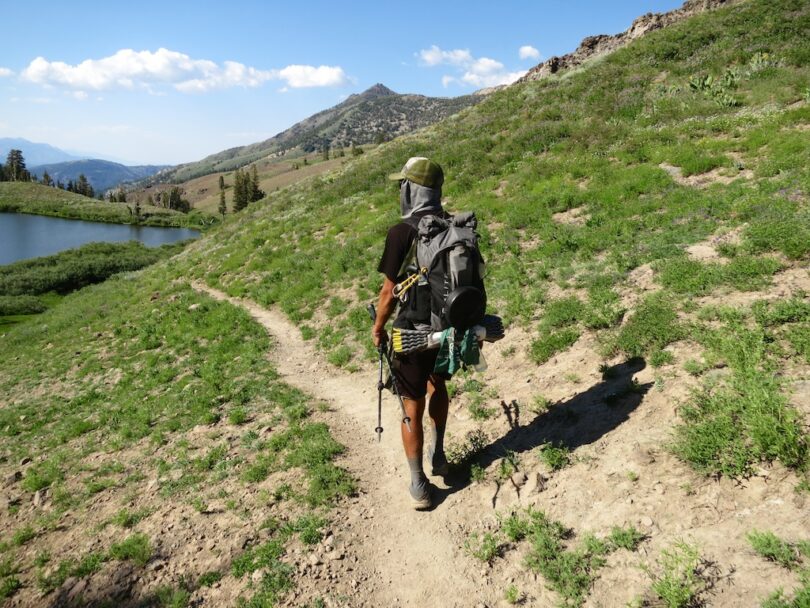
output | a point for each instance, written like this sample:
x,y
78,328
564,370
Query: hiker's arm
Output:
x,y
385,308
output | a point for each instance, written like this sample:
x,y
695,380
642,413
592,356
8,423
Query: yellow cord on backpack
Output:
x,y
401,289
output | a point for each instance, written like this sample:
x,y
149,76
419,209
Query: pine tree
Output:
x,y
221,182
240,190
15,167
83,186
46,179
256,193
223,208
326,152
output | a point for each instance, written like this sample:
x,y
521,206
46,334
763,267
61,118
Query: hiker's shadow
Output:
x,y
580,420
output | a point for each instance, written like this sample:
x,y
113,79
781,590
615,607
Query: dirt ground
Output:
x,y
621,474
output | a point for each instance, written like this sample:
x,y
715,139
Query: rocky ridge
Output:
x,y
602,44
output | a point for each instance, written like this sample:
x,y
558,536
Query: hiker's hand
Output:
x,y
378,335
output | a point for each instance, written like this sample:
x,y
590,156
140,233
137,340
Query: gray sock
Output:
x,y
418,479
436,450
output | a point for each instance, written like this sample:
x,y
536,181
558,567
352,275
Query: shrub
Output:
x,y
653,326
136,548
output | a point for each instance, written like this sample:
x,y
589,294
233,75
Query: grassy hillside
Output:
x,y
647,230
274,173
25,197
613,149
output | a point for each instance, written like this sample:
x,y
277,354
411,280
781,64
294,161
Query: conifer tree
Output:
x,y
256,193
221,182
46,179
15,167
223,208
241,184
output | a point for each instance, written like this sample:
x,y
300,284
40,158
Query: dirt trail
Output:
x,y
407,558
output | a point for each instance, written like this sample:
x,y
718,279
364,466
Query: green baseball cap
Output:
x,y
422,171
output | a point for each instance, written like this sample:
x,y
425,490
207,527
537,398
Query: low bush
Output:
x,y
75,268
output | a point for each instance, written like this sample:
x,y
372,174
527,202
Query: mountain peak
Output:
x,y
378,90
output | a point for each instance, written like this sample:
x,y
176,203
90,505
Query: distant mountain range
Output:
x,y
102,174
34,153
377,113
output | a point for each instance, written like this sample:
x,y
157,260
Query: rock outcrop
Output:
x,y
595,46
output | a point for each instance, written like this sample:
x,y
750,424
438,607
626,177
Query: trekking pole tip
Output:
x,y
379,431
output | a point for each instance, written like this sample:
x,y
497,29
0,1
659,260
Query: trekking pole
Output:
x,y
384,354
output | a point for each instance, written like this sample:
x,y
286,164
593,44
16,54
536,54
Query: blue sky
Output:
x,y
170,82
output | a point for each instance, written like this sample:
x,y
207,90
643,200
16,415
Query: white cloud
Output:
x,y
477,72
80,95
436,56
528,52
129,69
303,76
5,72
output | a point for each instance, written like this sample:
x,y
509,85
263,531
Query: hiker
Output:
x,y
420,192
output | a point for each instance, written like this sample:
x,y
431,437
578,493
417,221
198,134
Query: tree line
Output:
x,y
246,189
14,170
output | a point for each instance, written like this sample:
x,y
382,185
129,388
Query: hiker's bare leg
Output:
x,y
438,401
413,440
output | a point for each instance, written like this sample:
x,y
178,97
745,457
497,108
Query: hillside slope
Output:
x,y
375,113
640,436
102,174
29,197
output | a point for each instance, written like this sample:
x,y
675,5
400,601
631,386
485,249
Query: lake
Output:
x,y
24,236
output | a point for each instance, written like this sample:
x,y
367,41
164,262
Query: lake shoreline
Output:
x,y
26,236
35,199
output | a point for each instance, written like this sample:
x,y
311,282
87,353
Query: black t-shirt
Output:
x,y
397,245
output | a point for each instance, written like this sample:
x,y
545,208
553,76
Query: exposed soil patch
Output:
x,y
719,175
575,216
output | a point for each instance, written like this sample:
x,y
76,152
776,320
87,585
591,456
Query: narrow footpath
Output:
x,y
410,558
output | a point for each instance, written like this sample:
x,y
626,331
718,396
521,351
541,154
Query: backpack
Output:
x,y
448,275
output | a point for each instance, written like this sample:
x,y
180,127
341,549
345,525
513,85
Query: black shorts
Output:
x,y
413,371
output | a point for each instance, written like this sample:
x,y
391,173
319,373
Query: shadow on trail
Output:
x,y
581,420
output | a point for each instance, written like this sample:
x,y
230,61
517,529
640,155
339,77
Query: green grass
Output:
x,y
25,197
678,583
568,570
484,548
72,269
653,326
555,457
176,369
135,548
730,426
774,549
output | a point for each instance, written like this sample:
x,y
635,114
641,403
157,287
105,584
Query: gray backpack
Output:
x,y
449,289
